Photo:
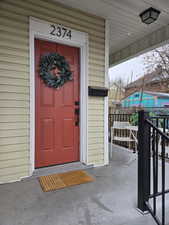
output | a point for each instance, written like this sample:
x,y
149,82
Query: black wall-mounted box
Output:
x,y
98,91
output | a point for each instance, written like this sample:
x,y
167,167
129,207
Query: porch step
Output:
x,y
60,169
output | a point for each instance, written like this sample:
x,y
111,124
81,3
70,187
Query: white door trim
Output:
x,y
42,30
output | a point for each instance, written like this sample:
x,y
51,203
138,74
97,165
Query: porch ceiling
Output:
x,y
125,25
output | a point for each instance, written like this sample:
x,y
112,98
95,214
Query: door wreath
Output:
x,y
54,70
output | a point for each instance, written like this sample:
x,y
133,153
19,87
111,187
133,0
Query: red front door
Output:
x,y
57,131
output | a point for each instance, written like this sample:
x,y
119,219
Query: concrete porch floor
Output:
x,y
110,200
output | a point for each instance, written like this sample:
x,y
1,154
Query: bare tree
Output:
x,y
119,82
158,60
157,64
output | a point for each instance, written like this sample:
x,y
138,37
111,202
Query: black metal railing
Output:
x,y
152,143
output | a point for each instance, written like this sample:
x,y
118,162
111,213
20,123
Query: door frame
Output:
x,y
40,29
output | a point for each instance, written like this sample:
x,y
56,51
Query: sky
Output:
x,y
129,71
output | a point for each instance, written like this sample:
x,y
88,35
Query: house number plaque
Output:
x,y
60,31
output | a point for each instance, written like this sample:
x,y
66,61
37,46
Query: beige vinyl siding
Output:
x,y
14,79
96,129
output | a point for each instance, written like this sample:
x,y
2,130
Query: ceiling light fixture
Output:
x,y
150,15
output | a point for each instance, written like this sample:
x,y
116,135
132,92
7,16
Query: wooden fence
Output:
x,y
118,132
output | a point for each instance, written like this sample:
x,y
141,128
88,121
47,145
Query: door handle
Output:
x,y
77,112
77,103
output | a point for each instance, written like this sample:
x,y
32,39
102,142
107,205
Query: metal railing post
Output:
x,y
143,161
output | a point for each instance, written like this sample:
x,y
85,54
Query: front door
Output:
x,y
57,127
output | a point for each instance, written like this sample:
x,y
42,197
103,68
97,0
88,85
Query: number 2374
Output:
x,y
60,32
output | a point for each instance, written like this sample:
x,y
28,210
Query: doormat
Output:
x,y
62,180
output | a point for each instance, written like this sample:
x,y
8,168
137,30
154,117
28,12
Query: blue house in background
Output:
x,y
149,99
